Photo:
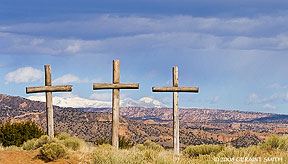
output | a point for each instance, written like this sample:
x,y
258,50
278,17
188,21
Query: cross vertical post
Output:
x,y
49,102
115,104
116,86
175,113
175,89
48,89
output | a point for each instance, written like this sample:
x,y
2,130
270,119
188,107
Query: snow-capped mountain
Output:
x,y
146,102
78,102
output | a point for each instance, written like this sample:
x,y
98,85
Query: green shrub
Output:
x,y
73,143
253,151
140,147
150,155
195,151
105,147
152,145
1,147
167,157
13,148
18,133
29,145
283,143
123,142
53,151
228,152
206,154
149,151
63,136
106,154
44,140
275,142
37,143
101,141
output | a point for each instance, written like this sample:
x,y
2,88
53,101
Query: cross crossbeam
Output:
x,y
116,86
97,86
175,89
48,88
57,88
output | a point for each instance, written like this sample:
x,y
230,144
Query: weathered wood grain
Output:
x,y
48,88
115,103
115,117
49,102
98,86
56,88
176,139
48,78
49,114
175,89
116,86
116,71
175,76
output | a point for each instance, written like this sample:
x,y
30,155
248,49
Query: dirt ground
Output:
x,y
30,157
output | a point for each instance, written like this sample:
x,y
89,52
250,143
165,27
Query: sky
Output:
x,y
234,51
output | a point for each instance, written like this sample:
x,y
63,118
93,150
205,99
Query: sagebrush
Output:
x,y
53,151
63,146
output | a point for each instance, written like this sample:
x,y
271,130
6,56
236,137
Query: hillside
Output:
x,y
198,126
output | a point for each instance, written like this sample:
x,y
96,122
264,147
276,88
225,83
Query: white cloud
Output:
x,y
169,82
134,33
70,100
69,78
73,48
25,74
100,25
269,106
13,43
277,86
254,99
214,99
166,99
102,96
243,42
286,97
269,102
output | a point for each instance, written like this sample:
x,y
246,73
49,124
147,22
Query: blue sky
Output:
x,y
236,52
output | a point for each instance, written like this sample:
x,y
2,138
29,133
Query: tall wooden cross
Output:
x,y
175,89
48,88
116,86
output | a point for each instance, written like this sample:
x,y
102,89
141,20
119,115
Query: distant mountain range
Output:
x,y
78,102
197,126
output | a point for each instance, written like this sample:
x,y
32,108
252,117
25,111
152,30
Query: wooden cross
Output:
x,y
116,86
175,89
48,88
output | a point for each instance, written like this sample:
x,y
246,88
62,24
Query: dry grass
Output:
x,y
273,150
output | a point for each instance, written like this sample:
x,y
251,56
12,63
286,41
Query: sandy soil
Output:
x,y
29,157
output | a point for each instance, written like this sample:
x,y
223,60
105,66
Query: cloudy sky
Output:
x,y
235,51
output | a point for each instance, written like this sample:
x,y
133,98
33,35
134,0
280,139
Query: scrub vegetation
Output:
x,y
63,146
